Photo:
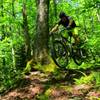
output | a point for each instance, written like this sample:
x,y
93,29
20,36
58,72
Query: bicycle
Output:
x,y
62,50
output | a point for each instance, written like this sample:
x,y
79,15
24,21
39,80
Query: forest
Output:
x,y
37,63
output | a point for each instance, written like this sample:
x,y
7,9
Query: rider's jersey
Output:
x,y
65,22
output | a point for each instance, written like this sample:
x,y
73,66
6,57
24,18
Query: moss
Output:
x,y
49,67
42,97
28,67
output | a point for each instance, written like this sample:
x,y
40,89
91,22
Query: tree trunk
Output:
x,y
40,48
13,8
40,51
55,9
26,33
2,15
13,50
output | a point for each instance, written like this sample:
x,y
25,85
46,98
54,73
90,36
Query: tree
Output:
x,y
26,33
41,39
40,48
2,14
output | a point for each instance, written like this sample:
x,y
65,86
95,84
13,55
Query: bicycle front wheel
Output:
x,y
60,54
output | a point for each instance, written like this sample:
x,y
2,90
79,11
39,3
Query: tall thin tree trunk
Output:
x,y
3,31
92,24
55,8
26,33
98,12
13,50
40,51
2,14
13,8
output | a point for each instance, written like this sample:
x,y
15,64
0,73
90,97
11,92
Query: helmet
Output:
x,y
62,14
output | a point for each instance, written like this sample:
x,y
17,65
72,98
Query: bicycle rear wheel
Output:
x,y
60,54
78,56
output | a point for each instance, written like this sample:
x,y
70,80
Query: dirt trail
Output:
x,y
41,86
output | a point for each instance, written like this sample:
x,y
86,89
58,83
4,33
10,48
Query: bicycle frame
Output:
x,y
64,48
66,41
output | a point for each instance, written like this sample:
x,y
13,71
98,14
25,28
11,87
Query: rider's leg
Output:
x,y
75,36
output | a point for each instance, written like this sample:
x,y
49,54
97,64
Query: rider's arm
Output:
x,y
54,29
70,22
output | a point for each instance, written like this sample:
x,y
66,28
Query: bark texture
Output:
x,y
40,52
26,33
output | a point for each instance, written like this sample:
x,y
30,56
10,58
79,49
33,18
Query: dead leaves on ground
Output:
x,y
37,87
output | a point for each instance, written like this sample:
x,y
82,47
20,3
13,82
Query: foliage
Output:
x,y
89,79
9,74
86,14
85,79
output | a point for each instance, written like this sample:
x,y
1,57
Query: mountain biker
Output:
x,y
69,24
